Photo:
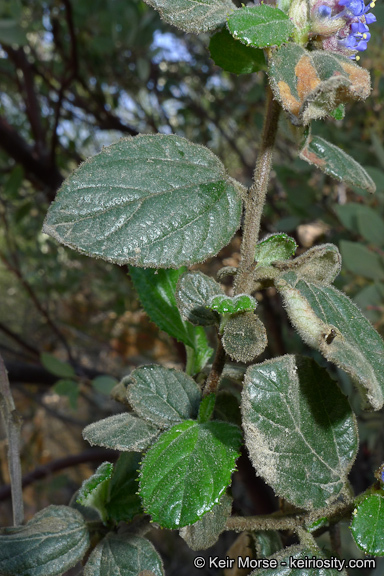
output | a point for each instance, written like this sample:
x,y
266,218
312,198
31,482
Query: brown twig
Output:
x,y
12,421
40,472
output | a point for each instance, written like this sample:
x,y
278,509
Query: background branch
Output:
x,y
12,422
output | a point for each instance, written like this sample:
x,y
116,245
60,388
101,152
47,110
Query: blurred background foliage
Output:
x,y
76,76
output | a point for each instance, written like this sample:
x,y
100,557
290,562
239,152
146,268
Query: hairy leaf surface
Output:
x,y
52,542
328,320
187,470
336,163
123,432
244,337
163,396
293,411
193,15
124,555
193,292
260,26
311,84
152,201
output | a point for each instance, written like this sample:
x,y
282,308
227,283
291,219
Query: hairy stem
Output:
x,y
12,421
256,197
213,379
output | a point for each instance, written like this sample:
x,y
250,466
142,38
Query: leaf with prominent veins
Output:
x,y
193,15
292,409
152,201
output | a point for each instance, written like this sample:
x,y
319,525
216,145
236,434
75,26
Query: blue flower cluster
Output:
x,y
358,14
354,35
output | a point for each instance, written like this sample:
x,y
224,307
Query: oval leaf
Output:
x,y
292,409
260,26
123,432
125,555
328,320
52,542
186,471
193,15
152,201
233,56
163,396
244,337
336,163
368,525
193,292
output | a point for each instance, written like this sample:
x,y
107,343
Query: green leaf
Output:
x,y
244,337
368,525
193,15
361,261
318,264
260,26
275,247
68,388
293,561
123,502
223,304
233,56
163,396
152,201
52,542
94,490
311,84
57,367
123,432
104,384
205,532
336,163
125,555
187,470
206,408
293,410
362,219
328,321
156,289
193,292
